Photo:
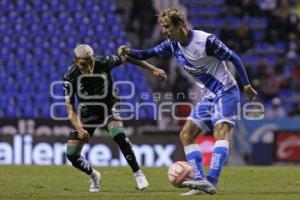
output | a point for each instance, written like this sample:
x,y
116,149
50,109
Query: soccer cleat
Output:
x,y
141,181
95,181
203,185
192,192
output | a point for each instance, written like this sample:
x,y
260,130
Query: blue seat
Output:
x,y
88,6
38,5
95,19
45,111
106,6
13,17
3,30
271,59
54,4
4,100
262,47
11,111
258,35
252,59
38,41
233,22
52,30
281,46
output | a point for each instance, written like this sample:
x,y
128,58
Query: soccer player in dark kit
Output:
x,y
90,81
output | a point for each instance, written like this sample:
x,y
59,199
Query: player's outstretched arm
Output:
x,y
136,54
125,57
72,115
217,49
161,74
70,104
237,62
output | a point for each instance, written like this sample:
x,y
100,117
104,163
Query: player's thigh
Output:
x,y
73,135
226,107
89,122
201,115
114,120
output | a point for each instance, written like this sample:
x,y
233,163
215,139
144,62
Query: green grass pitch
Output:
x,y
65,182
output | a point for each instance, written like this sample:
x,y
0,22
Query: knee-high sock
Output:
x,y
218,159
73,155
194,157
126,149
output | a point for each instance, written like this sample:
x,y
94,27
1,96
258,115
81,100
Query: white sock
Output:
x,y
93,173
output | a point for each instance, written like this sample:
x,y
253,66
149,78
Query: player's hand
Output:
x,y
250,92
161,74
123,50
82,133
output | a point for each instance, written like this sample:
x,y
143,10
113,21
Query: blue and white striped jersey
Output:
x,y
203,57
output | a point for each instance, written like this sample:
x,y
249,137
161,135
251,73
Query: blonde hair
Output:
x,y
175,15
83,51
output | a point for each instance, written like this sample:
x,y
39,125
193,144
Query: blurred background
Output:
x,y
37,41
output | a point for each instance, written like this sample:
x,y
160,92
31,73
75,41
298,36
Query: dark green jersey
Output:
x,y
91,88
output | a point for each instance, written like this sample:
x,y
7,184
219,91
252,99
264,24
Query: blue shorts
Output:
x,y
222,108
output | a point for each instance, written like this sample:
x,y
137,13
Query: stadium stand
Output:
x,y
37,40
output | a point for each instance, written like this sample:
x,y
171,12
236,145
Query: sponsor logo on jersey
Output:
x,y
194,71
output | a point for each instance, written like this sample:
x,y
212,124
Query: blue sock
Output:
x,y
218,159
194,158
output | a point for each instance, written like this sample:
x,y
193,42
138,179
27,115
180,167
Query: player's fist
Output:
x,y
161,74
250,92
123,50
82,133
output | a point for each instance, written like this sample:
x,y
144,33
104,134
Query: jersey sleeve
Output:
x,y
69,90
216,48
241,71
164,49
110,61
142,54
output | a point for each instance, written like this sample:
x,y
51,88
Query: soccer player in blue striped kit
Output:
x,y
203,56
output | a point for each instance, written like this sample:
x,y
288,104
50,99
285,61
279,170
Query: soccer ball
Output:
x,y
180,171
